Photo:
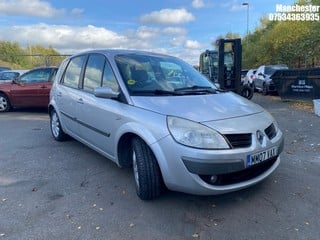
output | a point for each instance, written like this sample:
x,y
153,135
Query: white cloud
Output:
x,y
35,8
144,32
174,31
191,56
65,38
77,11
73,39
192,44
197,3
177,41
168,16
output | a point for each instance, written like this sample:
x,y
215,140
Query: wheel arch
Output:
x,y
4,93
127,132
124,148
50,108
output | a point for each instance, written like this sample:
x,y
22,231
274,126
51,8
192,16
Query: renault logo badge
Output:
x,y
259,136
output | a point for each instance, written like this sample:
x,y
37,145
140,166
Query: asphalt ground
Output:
x,y
53,190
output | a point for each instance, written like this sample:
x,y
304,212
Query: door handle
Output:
x,y
43,86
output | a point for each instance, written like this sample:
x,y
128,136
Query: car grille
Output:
x,y
239,140
271,131
241,176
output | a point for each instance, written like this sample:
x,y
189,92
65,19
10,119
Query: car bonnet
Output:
x,y
199,108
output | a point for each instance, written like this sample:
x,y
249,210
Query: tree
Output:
x,y
229,35
12,55
295,43
11,52
39,55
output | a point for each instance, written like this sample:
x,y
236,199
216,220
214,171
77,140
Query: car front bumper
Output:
x,y
271,86
190,170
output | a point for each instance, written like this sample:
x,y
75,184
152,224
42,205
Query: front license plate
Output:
x,y
261,156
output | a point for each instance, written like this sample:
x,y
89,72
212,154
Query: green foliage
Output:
x,y
10,52
229,35
12,55
39,55
295,43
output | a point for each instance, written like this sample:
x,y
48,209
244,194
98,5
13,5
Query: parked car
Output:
x,y
249,78
9,75
243,75
247,84
31,89
4,68
263,78
178,130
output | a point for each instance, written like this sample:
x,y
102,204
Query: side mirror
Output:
x,y
16,81
105,92
217,85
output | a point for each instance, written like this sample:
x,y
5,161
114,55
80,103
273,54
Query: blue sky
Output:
x,y
183,28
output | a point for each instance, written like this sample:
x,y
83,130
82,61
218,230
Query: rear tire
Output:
x,y
4,103
55,127
147,175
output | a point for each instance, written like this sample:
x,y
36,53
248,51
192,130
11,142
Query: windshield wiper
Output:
x,y
178,91
155,92
196,89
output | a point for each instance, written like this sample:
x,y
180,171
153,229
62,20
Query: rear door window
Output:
x,y
73,71
40,75
93,72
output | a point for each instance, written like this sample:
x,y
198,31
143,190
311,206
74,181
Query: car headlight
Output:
x,y
276,126
194,134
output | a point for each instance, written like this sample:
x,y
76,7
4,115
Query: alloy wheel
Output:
x,y
55,125
3,104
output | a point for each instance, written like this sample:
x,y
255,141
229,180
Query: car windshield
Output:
x,y
271,69
161,75
8,75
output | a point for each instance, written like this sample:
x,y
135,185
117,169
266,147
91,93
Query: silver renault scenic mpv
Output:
x,y
157,114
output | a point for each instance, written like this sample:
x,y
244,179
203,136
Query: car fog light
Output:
x,y
213,179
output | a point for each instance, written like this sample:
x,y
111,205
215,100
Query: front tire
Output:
x,y
264,89
4,103
55,127
247,92
146,171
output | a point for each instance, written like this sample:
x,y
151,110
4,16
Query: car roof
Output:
x,y
274,65
114,52
3,68
15,71
44,67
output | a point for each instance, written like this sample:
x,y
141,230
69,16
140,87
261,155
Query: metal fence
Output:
x,y
32,60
